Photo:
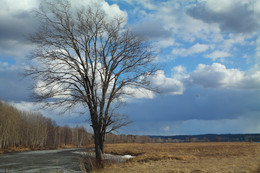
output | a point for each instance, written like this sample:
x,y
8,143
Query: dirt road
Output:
x,y
63,160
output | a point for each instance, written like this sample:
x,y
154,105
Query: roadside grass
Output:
x,y
186,157
14,149
22,148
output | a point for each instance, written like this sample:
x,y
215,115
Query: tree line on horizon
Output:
x,y
33,130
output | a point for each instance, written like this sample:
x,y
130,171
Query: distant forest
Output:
x,y
210,138
33,130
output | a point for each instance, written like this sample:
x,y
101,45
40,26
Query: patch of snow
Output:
x,y
128,156
106,156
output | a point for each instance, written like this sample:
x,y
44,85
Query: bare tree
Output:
x,y
85,58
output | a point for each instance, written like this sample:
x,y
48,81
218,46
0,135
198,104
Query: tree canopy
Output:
x,y
82,57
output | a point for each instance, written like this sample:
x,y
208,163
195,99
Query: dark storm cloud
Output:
x,y
212,104
14,33
152,31
17,26
13,87
239,18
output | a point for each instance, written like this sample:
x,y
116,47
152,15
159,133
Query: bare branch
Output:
x,y
84,58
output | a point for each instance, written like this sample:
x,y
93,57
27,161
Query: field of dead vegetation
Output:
x,y
187,157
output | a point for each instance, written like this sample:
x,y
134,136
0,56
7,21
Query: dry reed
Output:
x,y
187,157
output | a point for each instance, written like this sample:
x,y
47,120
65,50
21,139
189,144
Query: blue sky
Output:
x,y
209,51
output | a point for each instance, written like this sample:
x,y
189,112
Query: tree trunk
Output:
x,y
99,149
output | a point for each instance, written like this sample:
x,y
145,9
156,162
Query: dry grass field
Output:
x,y
187,158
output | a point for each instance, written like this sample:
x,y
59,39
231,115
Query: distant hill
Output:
x,y
211,138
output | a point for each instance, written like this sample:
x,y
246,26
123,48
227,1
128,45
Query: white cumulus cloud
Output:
x,y
218,54
167,85
217,75
195,49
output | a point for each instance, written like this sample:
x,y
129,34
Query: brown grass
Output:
x,y
187,157
22,149
14,149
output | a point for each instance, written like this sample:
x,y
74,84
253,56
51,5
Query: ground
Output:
x,y
187,158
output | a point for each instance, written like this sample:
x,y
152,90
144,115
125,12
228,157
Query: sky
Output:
x,y
209,52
